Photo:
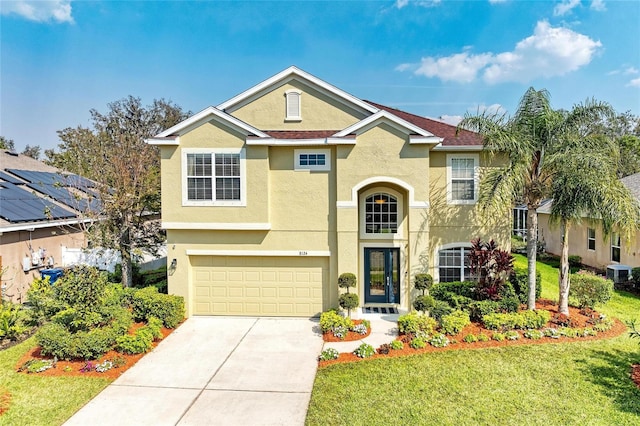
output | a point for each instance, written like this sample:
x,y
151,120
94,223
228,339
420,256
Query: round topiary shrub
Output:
x,y
348,301
423,282
347,280
423,303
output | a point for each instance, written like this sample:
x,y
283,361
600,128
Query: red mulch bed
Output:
x,y
474,328
350,337
73,368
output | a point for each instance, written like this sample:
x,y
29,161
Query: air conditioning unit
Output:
x,y
619,273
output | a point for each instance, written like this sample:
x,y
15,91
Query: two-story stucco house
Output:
x,y
270,196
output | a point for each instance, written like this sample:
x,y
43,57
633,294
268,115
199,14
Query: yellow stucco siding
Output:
x,y
598,258
318,111
386,152
300,200
211,136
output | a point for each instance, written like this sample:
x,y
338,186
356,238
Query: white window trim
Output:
x,y
362,214
327,159
222,203
293,117
476,177
436,256
589,239
612,246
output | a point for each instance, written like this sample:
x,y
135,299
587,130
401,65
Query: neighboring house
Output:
x,y
270,196
39,218
588,241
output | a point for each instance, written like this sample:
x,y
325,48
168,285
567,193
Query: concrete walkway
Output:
x,y
216,371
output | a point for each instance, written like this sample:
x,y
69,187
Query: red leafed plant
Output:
x,y
490,266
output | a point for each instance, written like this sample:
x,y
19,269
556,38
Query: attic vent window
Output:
x,y
293,105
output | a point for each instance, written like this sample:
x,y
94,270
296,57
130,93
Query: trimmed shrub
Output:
x,y
635,277
470,338
147,302
330,320
41,299
587,289
423,282
82,287
423,303
347,280
509,304
54,339
575,261
454,322
413,323
498,337
478,309
483,337
460,288
519,280
140,342
522,320
439,340
348,301
440,308
511,335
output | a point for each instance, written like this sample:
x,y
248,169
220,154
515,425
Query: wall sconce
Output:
x,y
174,264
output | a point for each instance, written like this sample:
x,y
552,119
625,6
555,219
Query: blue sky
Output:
x,y
59,59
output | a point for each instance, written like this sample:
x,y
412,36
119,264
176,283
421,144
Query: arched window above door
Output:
x,y
381,214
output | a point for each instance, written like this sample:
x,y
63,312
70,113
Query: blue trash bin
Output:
x,y
53,274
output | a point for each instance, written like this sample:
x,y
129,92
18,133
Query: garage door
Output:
x,y
261,286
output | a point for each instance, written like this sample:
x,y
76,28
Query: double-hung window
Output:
x,y
591,239
615,247
214,178
452,264
462,178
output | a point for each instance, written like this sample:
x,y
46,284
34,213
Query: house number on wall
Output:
x,y
302,253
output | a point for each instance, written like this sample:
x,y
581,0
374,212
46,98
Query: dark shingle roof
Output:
x,y
438,128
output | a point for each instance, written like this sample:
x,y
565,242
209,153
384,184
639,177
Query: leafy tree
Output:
x,y
32,151
7,144
527,138
586,184
113,152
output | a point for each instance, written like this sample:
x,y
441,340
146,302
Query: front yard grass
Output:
x,y
38,400
574,383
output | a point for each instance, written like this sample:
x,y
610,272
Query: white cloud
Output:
x,y
548,52
598,5
490,109
39,10
634,83
451,119
630,70
461,67
565,7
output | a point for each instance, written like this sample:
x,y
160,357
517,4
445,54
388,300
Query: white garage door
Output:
x,y
259,286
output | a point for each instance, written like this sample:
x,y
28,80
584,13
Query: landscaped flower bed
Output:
x,y
484,338
362,330
110,365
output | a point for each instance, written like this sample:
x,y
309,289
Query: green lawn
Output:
x,y
579,383
39,400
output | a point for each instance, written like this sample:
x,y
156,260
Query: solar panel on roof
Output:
x,y
8,178
19,205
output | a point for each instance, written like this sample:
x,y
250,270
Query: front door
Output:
x,y
382,275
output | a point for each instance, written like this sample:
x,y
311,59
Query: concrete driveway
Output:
x,y
216,371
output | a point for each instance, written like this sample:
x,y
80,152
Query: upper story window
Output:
x,y
591,239
213,177
293,105
313,159
381,214
452,264
615,247
462,178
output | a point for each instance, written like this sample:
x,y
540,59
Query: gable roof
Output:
x,y
295,73
395,121
446,131
169,136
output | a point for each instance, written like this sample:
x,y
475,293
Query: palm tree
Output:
x,y
527,138
586,185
